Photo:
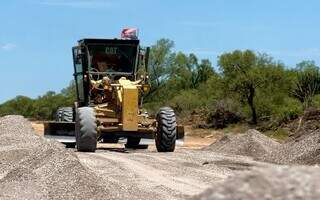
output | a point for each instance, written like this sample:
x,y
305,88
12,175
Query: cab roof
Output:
x,y
88,41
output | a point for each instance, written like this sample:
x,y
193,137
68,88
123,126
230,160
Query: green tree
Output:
x,y
69,93
20,105
43,107
205,71
187,73
241,75
273,100
307,65
161,57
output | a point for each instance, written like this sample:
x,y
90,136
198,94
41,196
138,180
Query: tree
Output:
x,y
160,59
69,93
187,73
307,65
240,71
205,71
20,105
172,72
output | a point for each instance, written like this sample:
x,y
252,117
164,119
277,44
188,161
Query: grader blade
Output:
x,y
63,132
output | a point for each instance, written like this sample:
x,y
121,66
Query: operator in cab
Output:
x,y
104,63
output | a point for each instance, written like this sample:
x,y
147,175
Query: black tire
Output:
x,y
166,134
86,129
64,114
132,142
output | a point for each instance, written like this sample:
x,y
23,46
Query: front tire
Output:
x,y
166,130
86,129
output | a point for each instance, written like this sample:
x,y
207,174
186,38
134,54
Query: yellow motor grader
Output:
x,y
111,77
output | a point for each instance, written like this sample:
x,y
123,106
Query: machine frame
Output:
x,y
111,123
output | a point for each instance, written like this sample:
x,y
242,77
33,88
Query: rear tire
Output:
x,y
132,142
64,114
58,115
166,134
86,129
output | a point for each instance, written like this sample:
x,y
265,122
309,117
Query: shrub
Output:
x,y
186,101
307,86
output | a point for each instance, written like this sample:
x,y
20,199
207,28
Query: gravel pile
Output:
x,y
277,183
304,150
252,143
34,168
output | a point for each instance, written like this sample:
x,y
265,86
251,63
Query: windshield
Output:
x,y
112,58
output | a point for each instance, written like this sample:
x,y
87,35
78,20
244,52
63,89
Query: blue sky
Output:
x,y
36,36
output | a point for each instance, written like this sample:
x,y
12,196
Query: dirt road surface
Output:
x,y
148,174
34,167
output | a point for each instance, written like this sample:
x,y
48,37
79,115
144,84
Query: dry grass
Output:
x,y
38,127
237,128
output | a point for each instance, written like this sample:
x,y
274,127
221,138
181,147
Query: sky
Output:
x,y
36,36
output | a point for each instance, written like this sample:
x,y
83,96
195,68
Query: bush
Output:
x,y
276,114
307,86
20,105
187,101
288,112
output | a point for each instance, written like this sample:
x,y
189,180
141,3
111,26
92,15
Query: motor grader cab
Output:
x,y
111,77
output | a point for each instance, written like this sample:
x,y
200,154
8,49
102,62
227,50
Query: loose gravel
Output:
x,y
32,167
304,150
252,143
285,181
276,183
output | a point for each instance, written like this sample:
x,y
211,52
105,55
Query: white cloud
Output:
x,y
78,3
8,46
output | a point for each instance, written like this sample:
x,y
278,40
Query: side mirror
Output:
x,y
146,58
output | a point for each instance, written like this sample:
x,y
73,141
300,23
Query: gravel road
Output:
x,y
147,174
32,167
